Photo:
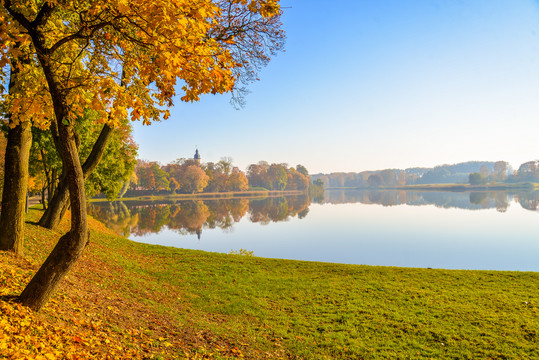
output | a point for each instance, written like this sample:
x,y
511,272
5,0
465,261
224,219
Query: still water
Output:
x,y
451,230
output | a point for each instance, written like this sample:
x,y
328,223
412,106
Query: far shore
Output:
x,y
209,196
450,187
253,194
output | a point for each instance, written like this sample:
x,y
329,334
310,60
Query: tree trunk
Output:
x,y
52,216
43,200
12,217
59,202
71,245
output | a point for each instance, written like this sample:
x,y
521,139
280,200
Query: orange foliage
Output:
x,y
105,54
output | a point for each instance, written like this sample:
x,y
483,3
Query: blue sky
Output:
x,y
374,84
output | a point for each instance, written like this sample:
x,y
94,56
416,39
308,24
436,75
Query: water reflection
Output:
x,y
193,216
455,233
499,200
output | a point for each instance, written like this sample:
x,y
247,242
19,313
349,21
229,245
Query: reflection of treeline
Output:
x,y
462,200
190,217
476,172
189,176
278,208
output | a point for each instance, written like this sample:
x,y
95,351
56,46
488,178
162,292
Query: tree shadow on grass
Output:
x,y
9,298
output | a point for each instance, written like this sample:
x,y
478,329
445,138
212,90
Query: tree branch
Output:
x,y
43,15
21,19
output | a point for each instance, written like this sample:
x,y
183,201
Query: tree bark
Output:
x,y
12,216
71,245
59,202
43,200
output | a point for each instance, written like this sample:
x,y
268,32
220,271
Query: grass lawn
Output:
x,y
131,300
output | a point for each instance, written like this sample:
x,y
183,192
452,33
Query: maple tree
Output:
x,y
121,59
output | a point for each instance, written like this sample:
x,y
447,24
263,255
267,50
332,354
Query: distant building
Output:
x,y
197,157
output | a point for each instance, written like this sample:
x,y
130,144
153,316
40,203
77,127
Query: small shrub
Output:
x,y
242,252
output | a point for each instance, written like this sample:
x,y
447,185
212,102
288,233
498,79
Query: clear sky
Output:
x,y
375,84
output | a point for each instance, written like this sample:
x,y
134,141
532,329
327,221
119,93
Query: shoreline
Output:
x,y
450,187
209,196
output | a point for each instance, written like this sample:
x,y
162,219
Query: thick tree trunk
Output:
x,y
59,202
71,245
12,216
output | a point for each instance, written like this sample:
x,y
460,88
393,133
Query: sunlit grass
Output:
x,y
227,305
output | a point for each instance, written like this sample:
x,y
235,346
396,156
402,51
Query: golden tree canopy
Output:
x,y
121,58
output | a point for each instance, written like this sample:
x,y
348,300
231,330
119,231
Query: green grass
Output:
x,y
311,310
315,309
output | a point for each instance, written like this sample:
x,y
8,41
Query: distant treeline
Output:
x,y
499,171
189,176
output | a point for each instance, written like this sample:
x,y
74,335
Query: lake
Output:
x,y
428,229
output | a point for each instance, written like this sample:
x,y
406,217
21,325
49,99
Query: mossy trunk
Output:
x,y
12,216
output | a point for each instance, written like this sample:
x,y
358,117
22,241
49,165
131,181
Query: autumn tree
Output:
x,y
257,175
216,178
194,179
500,170
78,48
278,177
251,32
302,170
145,174
225,165
297,180
237,181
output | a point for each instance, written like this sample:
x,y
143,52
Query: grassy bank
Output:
x,y
131,300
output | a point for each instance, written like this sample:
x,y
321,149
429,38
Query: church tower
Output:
x,y
197,157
